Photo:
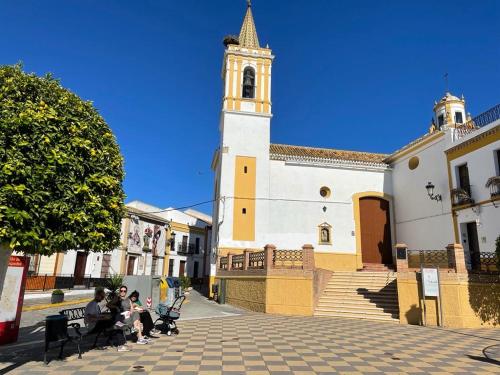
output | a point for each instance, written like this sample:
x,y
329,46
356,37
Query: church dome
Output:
x,y
448,97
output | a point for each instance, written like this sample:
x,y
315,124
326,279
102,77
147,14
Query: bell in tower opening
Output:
x,y
248,83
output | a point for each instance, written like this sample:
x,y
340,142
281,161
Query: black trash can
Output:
x,y
56,329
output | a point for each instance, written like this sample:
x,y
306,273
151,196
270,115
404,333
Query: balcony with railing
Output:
x,y
493,184
187,249
485,118
461,196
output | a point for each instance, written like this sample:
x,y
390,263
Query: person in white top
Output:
x,y
96,321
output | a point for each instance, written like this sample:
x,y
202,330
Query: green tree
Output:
x,y
61,170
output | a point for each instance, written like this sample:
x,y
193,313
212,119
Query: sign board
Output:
x,y
430,281
12,299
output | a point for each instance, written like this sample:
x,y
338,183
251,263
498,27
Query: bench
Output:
x,y
78,313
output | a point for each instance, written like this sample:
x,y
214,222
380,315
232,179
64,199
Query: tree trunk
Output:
x,y
5,253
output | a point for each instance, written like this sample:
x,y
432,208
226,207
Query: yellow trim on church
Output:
x,y
244,202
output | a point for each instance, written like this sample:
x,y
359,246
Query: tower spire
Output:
x,y
248,34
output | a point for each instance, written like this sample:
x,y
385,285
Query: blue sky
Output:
x,y
358,75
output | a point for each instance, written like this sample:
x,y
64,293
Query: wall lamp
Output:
x,y
430,191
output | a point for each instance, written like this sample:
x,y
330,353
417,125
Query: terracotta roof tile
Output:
x,y
326,153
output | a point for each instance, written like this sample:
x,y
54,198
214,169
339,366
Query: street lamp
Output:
x,y
430,191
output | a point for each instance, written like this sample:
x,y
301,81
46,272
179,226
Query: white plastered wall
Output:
x,y
422,223
243,135
296,206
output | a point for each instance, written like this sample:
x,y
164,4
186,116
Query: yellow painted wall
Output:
x,y
335,261
249,293
287,295
465,304
244,187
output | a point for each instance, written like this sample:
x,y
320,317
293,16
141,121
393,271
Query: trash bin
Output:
x,y
56,329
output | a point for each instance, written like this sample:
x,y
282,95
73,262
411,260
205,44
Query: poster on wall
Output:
x,y
144,235
12,299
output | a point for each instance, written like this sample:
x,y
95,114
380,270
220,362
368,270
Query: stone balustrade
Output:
x,y
270,260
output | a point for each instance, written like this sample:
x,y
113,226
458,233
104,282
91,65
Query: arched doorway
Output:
x,y
375,223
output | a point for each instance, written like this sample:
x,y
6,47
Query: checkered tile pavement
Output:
x,y
266,344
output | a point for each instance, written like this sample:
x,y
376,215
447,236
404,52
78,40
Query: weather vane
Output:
x,y
446,81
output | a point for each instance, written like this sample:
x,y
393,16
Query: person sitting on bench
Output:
x,y
145,316
97,322
131,317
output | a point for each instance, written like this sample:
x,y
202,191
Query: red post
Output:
x,y
457,257
246,259
308,257
401,257
269,256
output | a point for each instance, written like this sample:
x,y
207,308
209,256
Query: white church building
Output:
x,y
353,207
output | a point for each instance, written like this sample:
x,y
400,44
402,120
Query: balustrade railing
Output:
x,y
477,122
270,258
256,260
487,117
429,258
237,262
485,262
223,263
287,259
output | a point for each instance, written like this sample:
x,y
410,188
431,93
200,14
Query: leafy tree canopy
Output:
x,y
61,170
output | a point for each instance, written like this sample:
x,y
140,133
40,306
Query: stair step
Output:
x,y
360,309
366,275
358,312
348,316
349,299
385,317
350,306
370,294
361,290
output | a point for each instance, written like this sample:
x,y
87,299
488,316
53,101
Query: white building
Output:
x,y
154,241
351,206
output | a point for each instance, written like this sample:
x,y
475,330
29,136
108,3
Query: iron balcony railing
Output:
x,y
191,248
493,184
477,122
461,196
487,117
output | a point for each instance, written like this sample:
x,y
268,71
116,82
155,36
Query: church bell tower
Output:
x,y
241,163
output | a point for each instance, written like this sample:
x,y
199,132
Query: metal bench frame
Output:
x,y
78,313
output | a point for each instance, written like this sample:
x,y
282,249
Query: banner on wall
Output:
x,y
12,299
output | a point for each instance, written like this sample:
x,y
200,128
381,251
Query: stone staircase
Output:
x,y
362,295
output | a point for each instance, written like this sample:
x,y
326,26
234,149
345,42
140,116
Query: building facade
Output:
x,y
352,207
154,241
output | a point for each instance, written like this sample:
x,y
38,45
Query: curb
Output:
x,y
49,305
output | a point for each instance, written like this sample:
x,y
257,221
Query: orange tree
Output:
x,y
61,170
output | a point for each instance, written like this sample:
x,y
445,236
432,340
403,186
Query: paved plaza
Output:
x,y
266,344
